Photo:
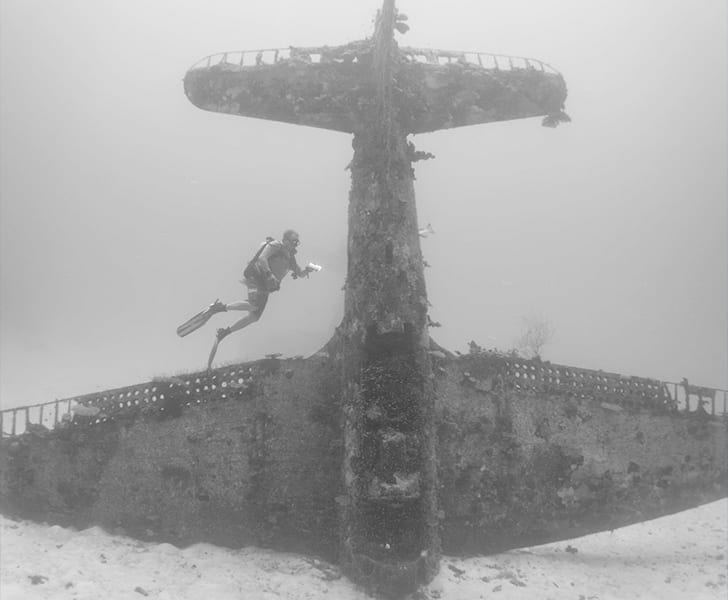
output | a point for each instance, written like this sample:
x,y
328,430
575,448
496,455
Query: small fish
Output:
x,y
426,231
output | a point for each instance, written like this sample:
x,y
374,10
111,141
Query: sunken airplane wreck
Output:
x,y
382,450
329,87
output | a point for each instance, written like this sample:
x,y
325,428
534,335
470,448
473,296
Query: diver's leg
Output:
x,y
257,300
240,305
240,324
223,332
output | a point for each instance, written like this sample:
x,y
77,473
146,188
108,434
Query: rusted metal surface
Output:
x,y
328,87
535,377
245,59
92,409
517,465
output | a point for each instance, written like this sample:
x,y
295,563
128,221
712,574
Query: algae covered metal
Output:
x,y
381,94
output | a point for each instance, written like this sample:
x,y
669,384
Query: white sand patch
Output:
x,y
679,556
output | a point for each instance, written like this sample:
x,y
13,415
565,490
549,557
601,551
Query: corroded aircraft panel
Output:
x,y
333,88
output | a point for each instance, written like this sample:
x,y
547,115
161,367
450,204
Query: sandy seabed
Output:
x,y
681,556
